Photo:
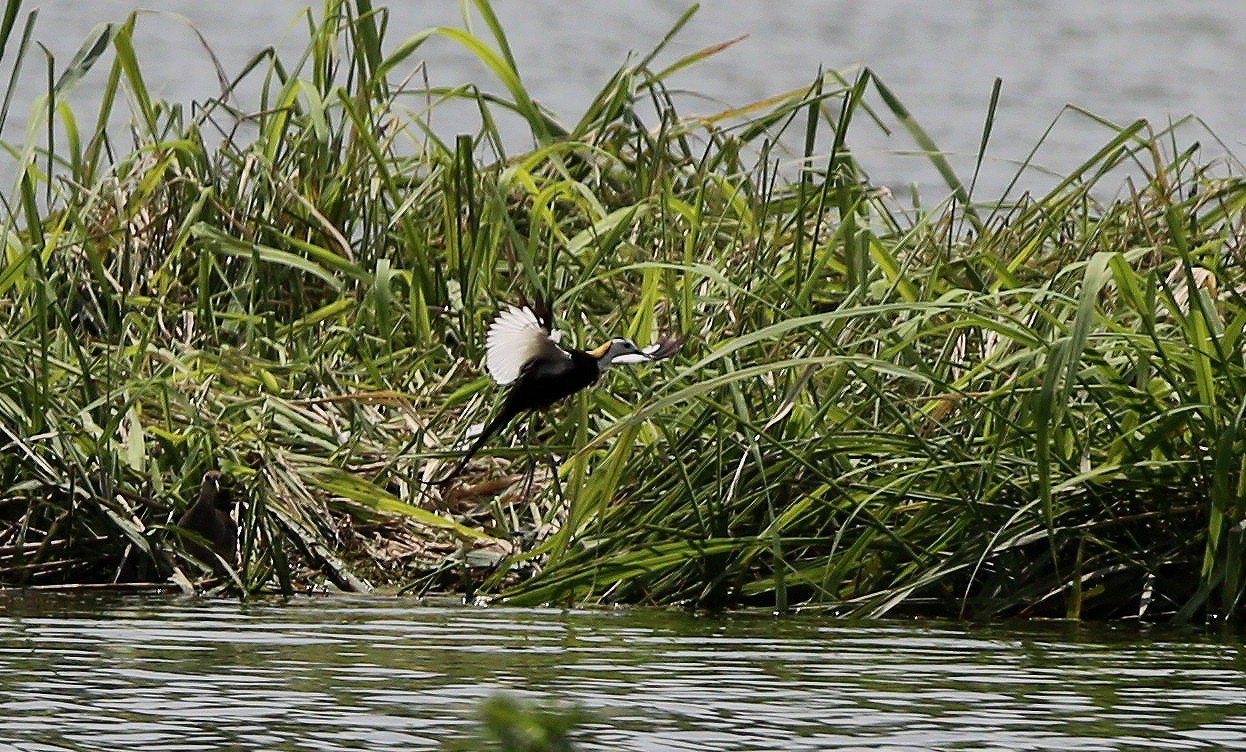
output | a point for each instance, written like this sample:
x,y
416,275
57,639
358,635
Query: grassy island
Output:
x,y
982,408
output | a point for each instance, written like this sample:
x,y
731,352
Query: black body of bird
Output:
x,y
523,351
208,519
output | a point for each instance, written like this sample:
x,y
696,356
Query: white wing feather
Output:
x,y
515,338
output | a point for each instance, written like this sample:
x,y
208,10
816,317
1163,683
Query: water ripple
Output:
x,y
351,673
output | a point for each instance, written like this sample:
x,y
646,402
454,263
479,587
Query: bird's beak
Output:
x,y
665,347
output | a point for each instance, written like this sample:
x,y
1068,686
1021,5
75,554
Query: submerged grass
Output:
x,y
1021,407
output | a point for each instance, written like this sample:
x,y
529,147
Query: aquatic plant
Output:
x,y
513,725
1021,406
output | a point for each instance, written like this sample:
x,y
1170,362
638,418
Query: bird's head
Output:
x,y
212,492
617,348
621,351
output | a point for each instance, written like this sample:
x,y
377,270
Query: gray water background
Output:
x,y
343,673
1120,59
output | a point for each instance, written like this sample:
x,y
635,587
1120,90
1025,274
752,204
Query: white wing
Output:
x,y
515,338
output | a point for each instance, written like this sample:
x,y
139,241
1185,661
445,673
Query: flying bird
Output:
x,y
522,351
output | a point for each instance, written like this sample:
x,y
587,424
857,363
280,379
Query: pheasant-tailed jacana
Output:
x,y
522,350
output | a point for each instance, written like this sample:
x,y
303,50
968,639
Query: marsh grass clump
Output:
x,y
1029,406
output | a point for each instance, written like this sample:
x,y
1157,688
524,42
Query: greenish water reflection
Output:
x,y
355,673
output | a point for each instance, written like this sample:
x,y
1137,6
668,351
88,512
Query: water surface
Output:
x,y
1119,59
364,673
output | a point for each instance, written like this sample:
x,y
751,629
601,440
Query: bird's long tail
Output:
x,y
497,424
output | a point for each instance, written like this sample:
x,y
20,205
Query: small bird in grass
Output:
x,y
522,350
210,521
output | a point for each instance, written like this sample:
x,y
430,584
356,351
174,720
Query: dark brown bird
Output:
x,y
522,350
209,518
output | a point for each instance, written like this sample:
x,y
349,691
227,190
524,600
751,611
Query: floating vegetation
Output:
x,y
1027,406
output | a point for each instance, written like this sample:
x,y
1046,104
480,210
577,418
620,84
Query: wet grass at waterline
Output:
x,y
1023,407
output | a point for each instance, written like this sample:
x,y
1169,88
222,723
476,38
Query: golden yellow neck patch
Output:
x,y
600,351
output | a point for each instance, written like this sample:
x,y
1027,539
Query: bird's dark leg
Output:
x,y
542,454
553,472
553,468
529,460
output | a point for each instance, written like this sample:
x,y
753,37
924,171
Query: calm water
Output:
x,y
355,673
1121,59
